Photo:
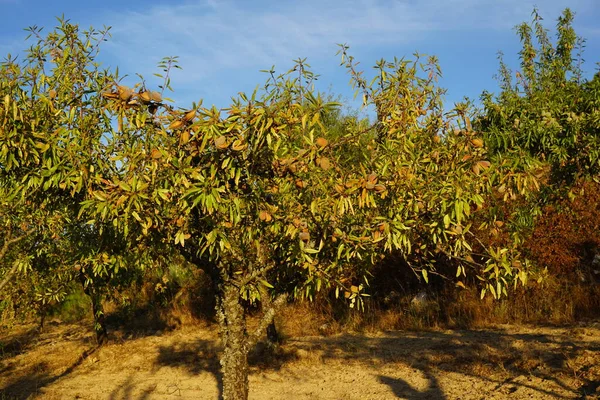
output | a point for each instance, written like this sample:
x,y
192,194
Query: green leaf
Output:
x,y
425,275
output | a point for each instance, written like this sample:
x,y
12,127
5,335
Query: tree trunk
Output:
x,y
273,337
97,310
234,361
99,320
42,312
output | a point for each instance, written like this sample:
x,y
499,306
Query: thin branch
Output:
x,y
257,273
5,247
355,135
9,241
8,276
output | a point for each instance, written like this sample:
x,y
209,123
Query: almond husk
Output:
x,y
477,143
110,95
379,188
264,216
239,145
125,93
221,143
189,116
176,124
185,137
484,164
145,97
304,236
324,163
321,142
156,154
155,96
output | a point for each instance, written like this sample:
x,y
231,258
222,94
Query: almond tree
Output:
x,y
273,206
52,127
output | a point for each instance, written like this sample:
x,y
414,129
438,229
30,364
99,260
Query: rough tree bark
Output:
x,y
8,276
234,361
237,342
99,320
273,337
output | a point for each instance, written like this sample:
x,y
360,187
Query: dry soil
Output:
x,y
507,362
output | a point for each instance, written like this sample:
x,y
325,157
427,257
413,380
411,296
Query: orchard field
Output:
x,y
290,246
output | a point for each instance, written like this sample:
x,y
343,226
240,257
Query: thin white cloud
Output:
x,y
213,36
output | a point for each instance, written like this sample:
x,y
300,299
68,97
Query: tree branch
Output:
x,y
255,274
266,319
5,247
9,241
9,275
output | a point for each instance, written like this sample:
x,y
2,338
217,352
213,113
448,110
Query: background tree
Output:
x,y
547,115
548,109
52,153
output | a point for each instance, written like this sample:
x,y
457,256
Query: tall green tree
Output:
x,y
546,108
52,153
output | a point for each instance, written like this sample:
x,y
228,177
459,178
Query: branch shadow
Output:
x,y
30,384
267,356
125,391
486,355
195,356
402,389
16,344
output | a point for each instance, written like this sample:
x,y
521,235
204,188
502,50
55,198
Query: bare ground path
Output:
x,y
507,362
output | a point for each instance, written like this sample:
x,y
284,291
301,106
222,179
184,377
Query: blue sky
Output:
x,y
223,44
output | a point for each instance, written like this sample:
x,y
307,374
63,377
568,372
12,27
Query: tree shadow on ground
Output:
x,y
38,378
507,361
126,390
16,344
590,388
195,356
11,346
202,355
494,356
404,390
268,356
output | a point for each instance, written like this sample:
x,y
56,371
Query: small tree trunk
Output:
x,y
234,361
272,335
42,314
99,320
9,275
97,310
8,240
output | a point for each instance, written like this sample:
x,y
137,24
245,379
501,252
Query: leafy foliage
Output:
x,y
548,110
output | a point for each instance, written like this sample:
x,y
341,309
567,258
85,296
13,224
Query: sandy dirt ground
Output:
x,y
508,362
